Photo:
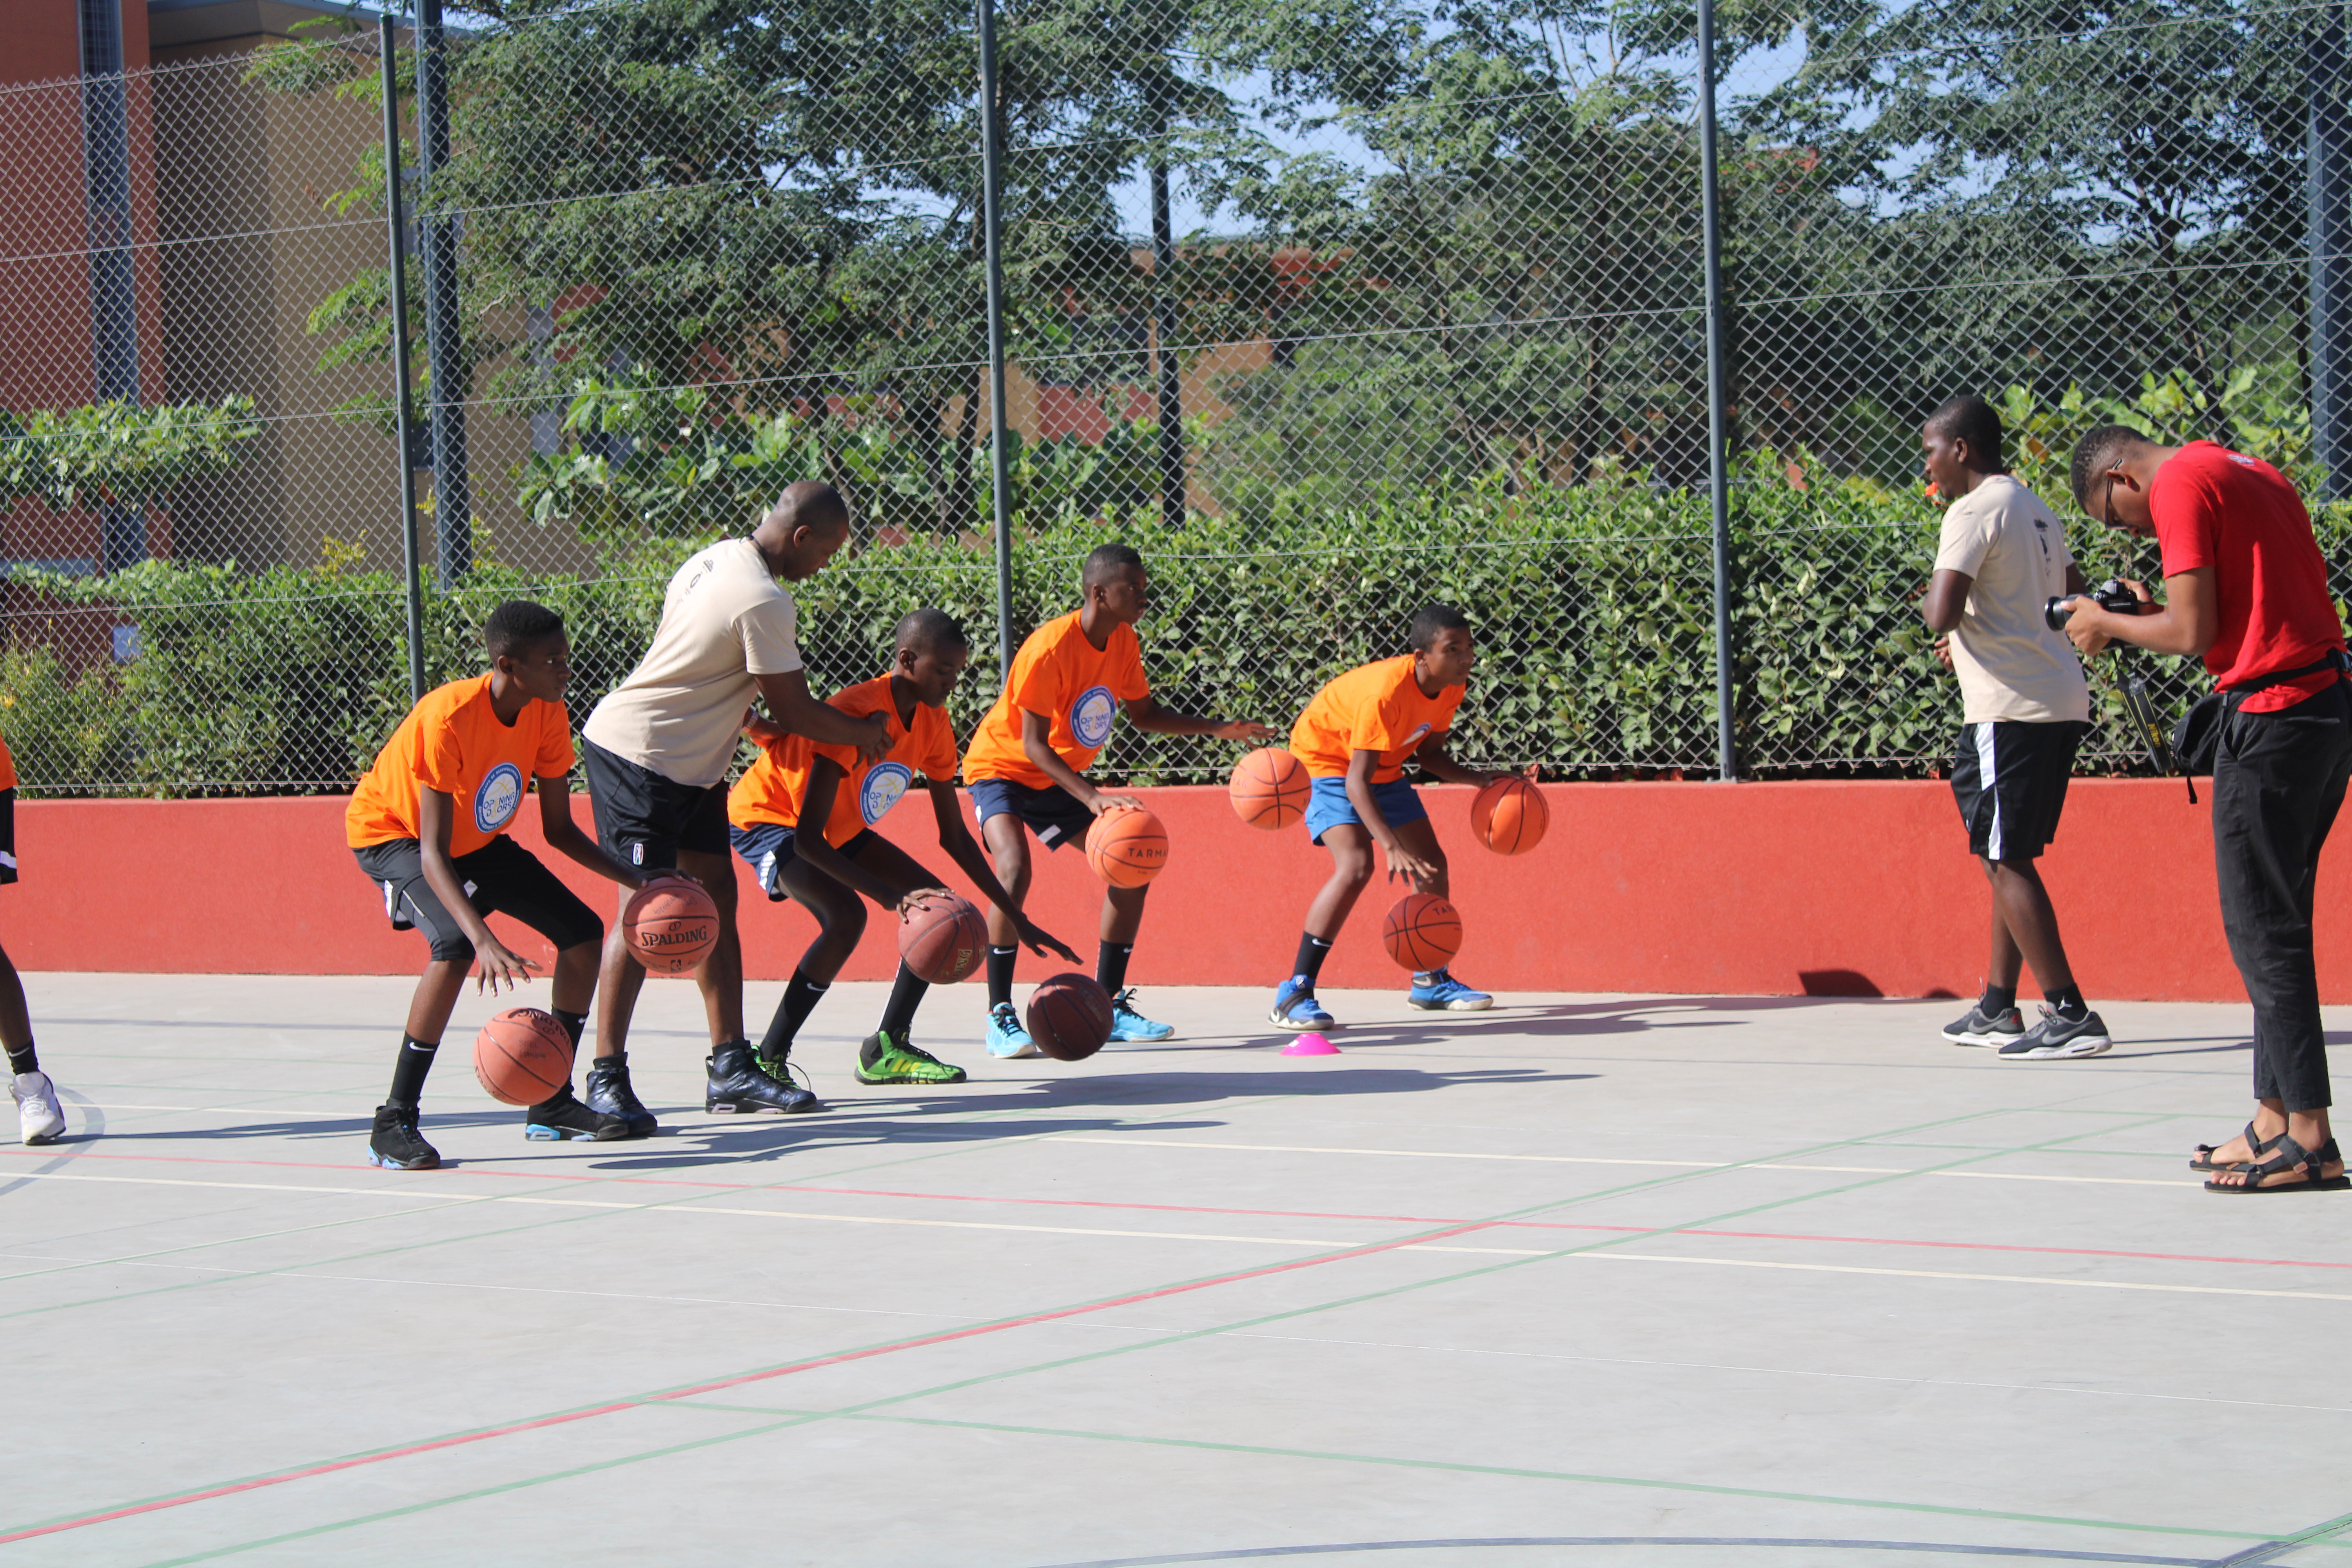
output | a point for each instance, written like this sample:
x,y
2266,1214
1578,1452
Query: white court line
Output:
x,y
1597,1160
1942,1274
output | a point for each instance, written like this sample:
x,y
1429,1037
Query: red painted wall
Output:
x,y
1763,888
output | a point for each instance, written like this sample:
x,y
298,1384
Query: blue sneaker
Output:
x,y
1006,1038
1439,991
1127,1023
1295,1006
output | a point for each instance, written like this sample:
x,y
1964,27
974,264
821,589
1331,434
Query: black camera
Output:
x,y
2110,595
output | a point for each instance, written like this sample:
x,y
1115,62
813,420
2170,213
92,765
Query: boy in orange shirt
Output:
x,y
1355,738
39,1118
1026,769
803,816
428,826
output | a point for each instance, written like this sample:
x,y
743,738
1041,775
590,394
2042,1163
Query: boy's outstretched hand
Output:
x,y
501,965
1403,862
1041,942
1240,729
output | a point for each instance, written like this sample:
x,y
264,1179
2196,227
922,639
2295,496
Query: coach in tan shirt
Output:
x,y
2002,556
656,750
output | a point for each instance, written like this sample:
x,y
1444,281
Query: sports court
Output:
x,y
1583,1279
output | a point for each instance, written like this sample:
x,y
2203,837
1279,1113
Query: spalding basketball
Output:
x,y
1269,788
1421,932
670,926
522,1057
1127,848
943,939
1509,816
1070,1017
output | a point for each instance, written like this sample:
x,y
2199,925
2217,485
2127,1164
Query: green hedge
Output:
x,y
1595,608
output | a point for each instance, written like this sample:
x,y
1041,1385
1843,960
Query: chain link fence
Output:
x,y
1328,312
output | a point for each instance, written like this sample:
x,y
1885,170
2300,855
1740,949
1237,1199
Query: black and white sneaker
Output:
x,y
1978,1028
396,1144
2059,1036
561,1118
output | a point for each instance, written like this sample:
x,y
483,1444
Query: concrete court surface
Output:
x,y
1582,1280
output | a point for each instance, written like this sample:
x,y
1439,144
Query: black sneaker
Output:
x,y
2058,1036
394,1143
1978,1028
737,1085
563,1119
609,1091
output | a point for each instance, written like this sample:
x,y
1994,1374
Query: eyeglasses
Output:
x,y
2107,502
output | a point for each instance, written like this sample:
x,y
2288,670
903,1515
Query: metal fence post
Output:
x,y
445,339
402,432
2328,151
1173,478
991,228
1718,454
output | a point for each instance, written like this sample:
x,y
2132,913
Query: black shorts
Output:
x,y
7,836
767,848
644,819
1053,814
501,877
2009,778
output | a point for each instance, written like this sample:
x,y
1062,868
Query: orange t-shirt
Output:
x,y
1374,707
772,789
7,768
1074,684
452,741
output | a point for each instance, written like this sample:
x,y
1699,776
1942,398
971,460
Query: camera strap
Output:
x,y
2198,737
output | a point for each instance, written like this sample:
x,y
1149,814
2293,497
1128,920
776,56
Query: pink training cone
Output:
x,y
1310,1045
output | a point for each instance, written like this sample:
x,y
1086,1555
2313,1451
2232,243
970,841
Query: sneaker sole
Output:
x,y
2053,1053
1952,1039
1140,1039
1280,1021
754,1108
376,1158
1451,1006
1021,1054
879,1082
537,1133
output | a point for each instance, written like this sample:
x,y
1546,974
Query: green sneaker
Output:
x,y
881,1059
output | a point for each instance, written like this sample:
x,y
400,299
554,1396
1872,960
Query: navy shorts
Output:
x,y
2009,778
500,878
1053,814
644,818
1328,806
767,848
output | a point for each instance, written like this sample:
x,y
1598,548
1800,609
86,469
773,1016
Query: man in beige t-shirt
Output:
x,y
656,751
2026,706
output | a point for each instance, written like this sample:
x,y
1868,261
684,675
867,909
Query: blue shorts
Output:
x,y
767,848
1328,806
1053,814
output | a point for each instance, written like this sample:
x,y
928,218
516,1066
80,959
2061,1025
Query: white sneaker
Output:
x,y
37,1115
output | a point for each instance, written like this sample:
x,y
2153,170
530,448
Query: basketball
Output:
x,y
1070,1017
670,927
1269,788
943,939
1509,816
1127,848
1421,932
522,1057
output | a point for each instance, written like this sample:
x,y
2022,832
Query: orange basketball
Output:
x,y
522,1057
1127,848
943,939
1269,788
1069,1016
1421,932
1509,816
670,926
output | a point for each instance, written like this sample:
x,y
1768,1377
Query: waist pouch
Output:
x,y
2198,737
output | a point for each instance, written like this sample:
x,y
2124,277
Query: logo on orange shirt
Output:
x,y
1091,714
500,795
883,789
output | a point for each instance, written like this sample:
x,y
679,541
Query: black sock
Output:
x,y
23,1058
574,1024
408,1072
800,996
1312,951
1110,965
1997,1000
1000,976
2068,1000
906,995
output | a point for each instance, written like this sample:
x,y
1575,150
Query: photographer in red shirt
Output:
x,y
2245,588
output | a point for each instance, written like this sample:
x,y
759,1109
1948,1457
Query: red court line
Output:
x,y
945,1337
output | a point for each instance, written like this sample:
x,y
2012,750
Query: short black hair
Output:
x,y
2097,452
1970,418
516,624
1431,619
928,628
1107,561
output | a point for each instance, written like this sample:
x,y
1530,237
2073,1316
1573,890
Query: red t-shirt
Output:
x,y
2240,516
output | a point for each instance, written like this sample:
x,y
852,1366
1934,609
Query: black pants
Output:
x,y
2278,780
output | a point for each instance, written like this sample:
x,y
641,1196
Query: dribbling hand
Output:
x,y
1041,942
1239,730
1117,803
500,966
1421,873
920,898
